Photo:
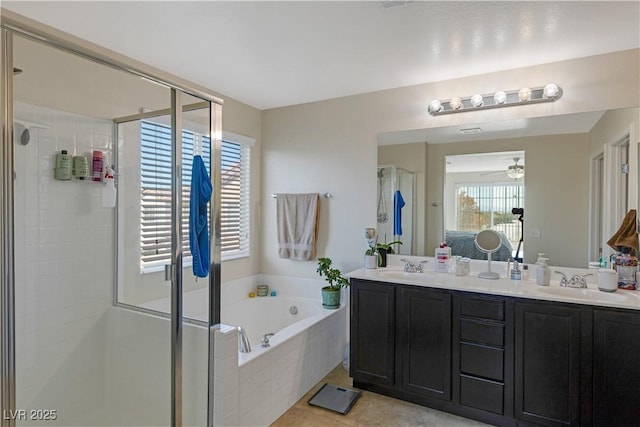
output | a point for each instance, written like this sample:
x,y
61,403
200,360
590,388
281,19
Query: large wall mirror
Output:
x,y
574,189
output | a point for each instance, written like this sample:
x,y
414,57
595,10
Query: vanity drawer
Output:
x,y
482,394
482,332
482,307
486,362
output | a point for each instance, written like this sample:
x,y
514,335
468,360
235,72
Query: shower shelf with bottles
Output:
x,y
395,214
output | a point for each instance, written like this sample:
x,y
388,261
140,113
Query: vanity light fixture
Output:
x,y
525,95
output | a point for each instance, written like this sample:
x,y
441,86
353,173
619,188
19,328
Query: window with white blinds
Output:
x,y
155,206
489,205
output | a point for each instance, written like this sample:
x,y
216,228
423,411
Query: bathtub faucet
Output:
x,y
264,342
243,341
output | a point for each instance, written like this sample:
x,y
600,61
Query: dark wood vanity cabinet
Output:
x,y
483,356
551,362
424,340
502,360
616,367
401,341
373,319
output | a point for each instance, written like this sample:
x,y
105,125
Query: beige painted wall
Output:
x,y
331,146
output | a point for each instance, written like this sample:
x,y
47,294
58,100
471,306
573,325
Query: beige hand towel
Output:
x,y
627,234
297,216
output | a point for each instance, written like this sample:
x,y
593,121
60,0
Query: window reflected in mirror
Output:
x,y
485,191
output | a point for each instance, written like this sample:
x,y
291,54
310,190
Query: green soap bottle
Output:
x,y
63,166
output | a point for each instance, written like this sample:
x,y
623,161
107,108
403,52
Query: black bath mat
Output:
x,y
334,398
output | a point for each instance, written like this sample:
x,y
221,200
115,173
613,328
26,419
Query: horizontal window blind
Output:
x,y
480,206
155,169
235,200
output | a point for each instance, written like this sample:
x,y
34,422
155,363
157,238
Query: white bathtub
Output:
x,y
257,315
282,316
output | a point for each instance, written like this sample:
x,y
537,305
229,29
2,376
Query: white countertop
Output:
x,y
513,288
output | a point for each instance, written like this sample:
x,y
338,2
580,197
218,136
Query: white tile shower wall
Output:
x,y
64,270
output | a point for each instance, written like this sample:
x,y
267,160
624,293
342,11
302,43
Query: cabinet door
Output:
x,y
372,332
547,366
425,334
616,368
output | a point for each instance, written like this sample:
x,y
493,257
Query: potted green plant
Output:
x,y
383,249
331,293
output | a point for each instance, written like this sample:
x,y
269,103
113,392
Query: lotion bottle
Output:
x,y
97,166
62,171
543,273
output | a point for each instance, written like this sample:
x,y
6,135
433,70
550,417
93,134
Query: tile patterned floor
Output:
x,y
370,410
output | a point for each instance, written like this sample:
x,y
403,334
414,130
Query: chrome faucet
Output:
x,y
243,341
576,281
563,282
264,342
412,267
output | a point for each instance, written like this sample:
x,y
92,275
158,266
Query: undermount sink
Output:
x,y
562,291
399,274
588,293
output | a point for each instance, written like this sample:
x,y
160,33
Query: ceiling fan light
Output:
x,y
515,173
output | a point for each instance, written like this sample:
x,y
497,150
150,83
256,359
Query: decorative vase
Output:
x,y
330,297
382,261
371,261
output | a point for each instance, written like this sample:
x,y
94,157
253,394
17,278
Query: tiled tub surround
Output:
x,y
251,389
63,270
504,286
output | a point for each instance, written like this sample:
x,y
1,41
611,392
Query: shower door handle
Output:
x,y
168,272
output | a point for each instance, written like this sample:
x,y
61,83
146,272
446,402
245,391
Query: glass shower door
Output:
x,y
80,360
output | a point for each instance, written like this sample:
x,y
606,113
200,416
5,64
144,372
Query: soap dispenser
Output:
x,y
543,273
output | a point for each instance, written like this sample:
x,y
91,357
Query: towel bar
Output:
x,y
325,195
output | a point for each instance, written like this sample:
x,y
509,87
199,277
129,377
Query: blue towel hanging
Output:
x,y
398,204
198,228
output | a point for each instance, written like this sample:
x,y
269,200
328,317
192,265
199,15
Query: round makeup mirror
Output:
x,y
488,241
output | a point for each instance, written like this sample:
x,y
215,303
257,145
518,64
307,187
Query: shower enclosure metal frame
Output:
x,y
12,23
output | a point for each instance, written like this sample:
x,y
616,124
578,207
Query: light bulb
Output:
x,y
500,97
455,103
524,94
476,100
435,106
550,91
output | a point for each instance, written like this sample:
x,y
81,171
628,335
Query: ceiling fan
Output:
x,y
515,171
